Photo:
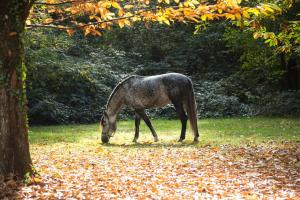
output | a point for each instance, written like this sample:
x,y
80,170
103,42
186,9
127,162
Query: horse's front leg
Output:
x,y
148,122
137,127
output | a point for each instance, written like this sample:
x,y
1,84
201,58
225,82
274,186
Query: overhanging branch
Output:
x,y
91,23
63,3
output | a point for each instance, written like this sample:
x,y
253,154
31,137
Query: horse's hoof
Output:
x,y
180,140
155,139
134,140
195,141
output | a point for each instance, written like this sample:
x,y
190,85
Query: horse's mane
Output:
x,y
118,87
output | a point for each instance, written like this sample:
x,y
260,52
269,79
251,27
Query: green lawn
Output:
x,y
234,131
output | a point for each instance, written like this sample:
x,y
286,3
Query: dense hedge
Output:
x,y
70,79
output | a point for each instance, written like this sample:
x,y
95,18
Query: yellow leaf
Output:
x,y
37,180
135,18
176,1
255,11
230,16
109,15
128,6
203,17
167,1
256,35
193,19
186,4
238,16
121,23
127,22
209,16
246,14
106,4
28,22
195,2
70,32
48,20
266,7
166,21
98,18
115,5
266,35
51,10
120,12
96,32
87,30
104,25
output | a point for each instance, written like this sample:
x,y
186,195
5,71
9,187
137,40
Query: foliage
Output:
x,y
287,102
102,15
285,36
74,82
73,85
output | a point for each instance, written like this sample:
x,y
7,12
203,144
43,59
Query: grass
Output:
x,y
213,132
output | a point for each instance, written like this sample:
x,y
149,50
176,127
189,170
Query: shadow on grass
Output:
x,y
151,145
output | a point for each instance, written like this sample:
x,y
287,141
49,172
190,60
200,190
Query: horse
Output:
x,y
142,92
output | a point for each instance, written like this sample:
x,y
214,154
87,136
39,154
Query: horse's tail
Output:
x,y
191,109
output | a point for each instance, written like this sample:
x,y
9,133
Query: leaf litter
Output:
x,y
93,171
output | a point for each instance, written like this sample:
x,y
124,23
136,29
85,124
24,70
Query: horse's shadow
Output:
x,y
151,145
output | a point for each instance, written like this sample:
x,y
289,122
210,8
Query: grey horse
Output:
x,y
141,92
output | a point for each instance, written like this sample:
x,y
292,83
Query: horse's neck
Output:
x,y
116,103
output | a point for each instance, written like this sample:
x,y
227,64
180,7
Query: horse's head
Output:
x,y
108,125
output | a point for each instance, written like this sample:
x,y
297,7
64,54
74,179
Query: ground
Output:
x,y
238,158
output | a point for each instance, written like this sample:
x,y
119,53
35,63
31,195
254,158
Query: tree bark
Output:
x,y
14,146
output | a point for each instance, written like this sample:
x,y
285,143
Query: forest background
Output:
x,y
235,73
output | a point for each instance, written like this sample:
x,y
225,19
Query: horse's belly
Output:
x,y
142,103
157,102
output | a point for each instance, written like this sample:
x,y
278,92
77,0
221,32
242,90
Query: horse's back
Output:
x,y
156,91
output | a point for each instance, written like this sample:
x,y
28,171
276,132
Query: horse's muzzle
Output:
x,y
104,138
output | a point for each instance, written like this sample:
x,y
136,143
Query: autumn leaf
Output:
x,y
70,32
116,5
256,35
48,20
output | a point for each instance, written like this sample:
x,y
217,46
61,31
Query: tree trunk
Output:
x,y
14,146
292,74
290,78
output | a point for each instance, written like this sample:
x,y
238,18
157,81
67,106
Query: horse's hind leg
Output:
x,y
183,119
137,127
148,122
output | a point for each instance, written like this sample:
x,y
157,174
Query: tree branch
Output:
x,y
78,26
91,23
63,3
